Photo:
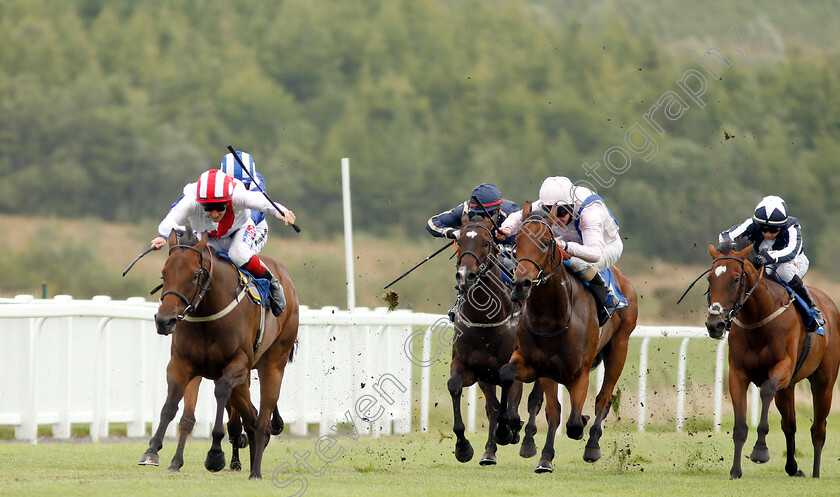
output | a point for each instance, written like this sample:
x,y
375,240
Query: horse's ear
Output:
x,y
465,216
200,245
173,238
714,252
743,254
526,211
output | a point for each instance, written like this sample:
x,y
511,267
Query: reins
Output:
x,y
204,275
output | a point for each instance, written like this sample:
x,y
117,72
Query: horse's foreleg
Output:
x,y
615,354
785,404
738,383
186,424
508,424
463,448
535,399
234,374
577,396
237,439
822,391
491,408
760,453
242,413
552,415
177,380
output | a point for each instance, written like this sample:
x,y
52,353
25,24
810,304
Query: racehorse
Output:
x,y
769,346
485,327
558,339
220,337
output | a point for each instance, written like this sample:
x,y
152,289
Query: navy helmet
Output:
x,y
488,195
231,167
771,211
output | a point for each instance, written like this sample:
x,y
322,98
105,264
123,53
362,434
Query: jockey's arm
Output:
x,y
592,235
174,220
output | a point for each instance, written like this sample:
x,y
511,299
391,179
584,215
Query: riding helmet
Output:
x,y
771,211
231,167
489,196
214,186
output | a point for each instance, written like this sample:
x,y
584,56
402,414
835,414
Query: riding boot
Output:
x,y
277,300
799,287
605,300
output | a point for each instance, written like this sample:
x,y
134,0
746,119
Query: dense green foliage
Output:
x,y
109,108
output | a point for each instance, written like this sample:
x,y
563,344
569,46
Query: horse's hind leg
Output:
x,y
577,395
276,422
456,383
186,424
177,381
491,408
535,399
238,440
552,415
786,406
615,353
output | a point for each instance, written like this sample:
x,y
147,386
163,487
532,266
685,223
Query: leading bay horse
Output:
x,y
558,339
485,328
769,346
218,333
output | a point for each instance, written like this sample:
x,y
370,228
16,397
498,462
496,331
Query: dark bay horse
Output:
x,y
769,346
485,327
216,337
558,339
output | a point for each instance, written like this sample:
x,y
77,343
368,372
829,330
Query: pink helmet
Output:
x,y
214,186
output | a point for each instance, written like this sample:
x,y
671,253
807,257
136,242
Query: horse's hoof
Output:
x,y
257,476
464,451
149,459
514,439
591,455
528,449
276,426
544,467
215,461
503,435
173,469
760,456
243,440
801,474
235,466
488,459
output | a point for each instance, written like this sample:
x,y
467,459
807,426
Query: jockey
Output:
x,y
594,244
221,206
448,223
777,241
232,168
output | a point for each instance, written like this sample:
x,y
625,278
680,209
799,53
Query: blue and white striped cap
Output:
x,y
232,168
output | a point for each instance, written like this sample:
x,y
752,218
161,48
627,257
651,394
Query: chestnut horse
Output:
x,y
485,327
220,335
769,346
558,339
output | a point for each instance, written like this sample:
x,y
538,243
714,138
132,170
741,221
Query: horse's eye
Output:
x,y
195,277
736,279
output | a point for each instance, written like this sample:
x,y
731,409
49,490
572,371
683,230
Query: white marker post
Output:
x,y
348,233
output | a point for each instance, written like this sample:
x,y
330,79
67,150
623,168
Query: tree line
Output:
x,y
110,108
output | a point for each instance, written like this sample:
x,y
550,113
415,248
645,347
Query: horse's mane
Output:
x,y
186,236
737,245
537,214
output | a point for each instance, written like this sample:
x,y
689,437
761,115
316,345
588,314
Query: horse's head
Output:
x,y
476,252
728,285
537,254
186,277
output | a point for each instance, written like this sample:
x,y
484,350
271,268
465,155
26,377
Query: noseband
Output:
x,y
204,276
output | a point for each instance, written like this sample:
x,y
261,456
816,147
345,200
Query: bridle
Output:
x,y
716,309
204,275
544,276
552,249
489,261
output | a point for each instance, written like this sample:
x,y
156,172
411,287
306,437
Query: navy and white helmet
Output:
x,y
489,196
771,211
232,168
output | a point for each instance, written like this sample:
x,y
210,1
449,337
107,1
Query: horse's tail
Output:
x,y
292,352
599,358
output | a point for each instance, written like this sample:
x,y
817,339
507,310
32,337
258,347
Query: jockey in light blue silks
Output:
x,y
777,241
232,168
587,231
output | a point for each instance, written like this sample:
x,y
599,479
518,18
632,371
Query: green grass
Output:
x,y
653,463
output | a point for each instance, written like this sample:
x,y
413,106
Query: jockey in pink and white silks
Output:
x,y
220,205
587,231
777,241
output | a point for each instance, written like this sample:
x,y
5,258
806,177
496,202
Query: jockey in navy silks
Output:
x,y
490,202
777,241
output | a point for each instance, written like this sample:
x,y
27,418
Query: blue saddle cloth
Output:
x,y
261,284
808,314
609,278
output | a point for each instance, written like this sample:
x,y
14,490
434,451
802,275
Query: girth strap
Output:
x,y
805,348
224,312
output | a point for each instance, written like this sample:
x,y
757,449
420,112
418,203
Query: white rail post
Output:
x,y
348,233
681,384
719,384
643,361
